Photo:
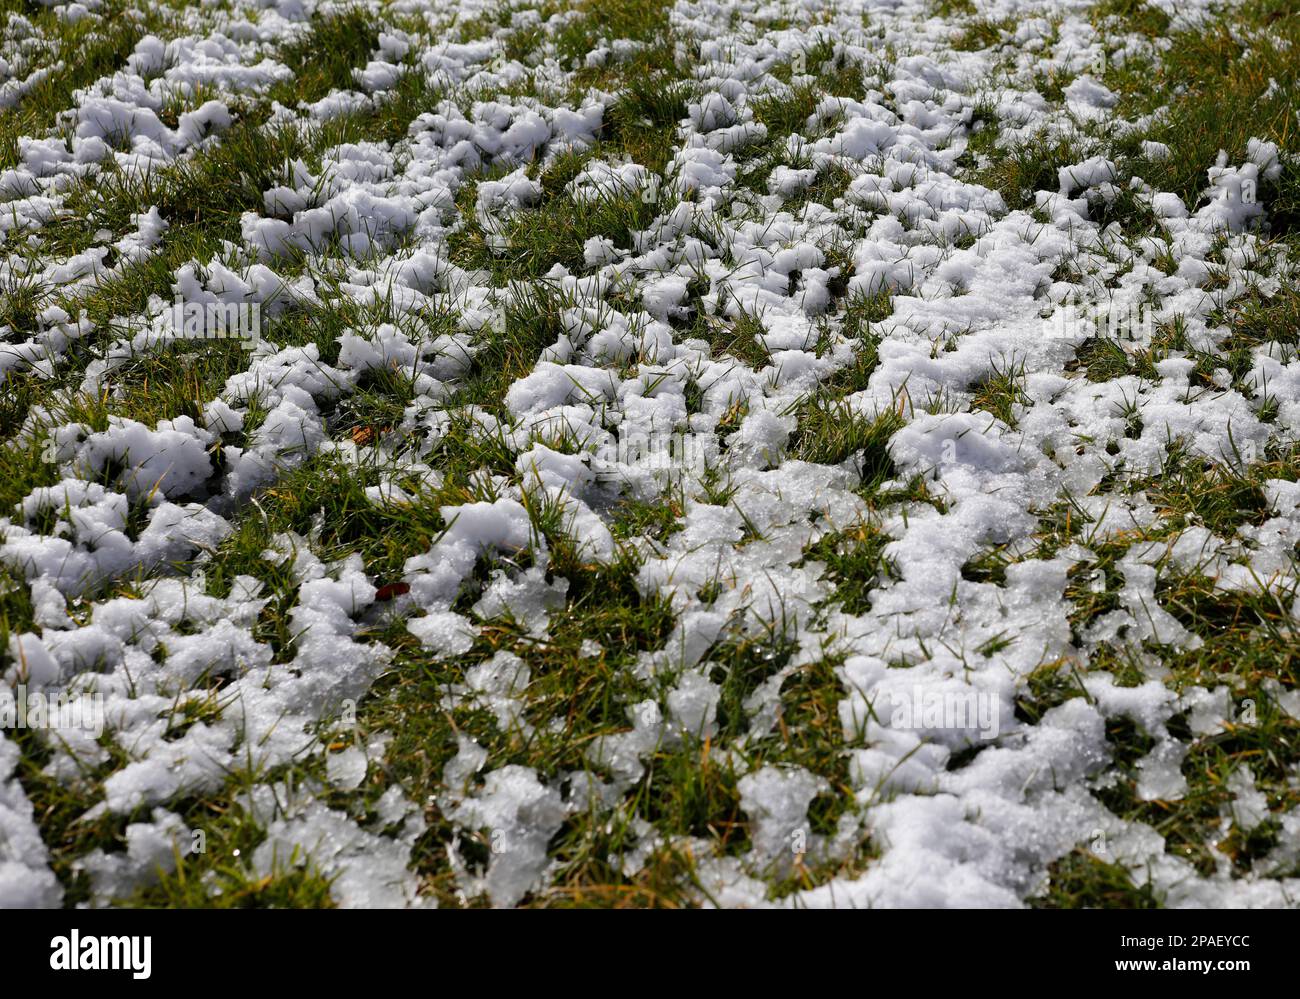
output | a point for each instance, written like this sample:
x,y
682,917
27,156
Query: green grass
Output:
x,y
83,53
1212,80
552,232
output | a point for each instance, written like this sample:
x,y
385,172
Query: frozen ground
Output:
x,y
672,461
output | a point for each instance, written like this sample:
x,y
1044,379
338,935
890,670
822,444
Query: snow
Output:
x,y
626,404
521,815
26,880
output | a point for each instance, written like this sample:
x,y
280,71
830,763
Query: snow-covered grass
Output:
x,y
674,461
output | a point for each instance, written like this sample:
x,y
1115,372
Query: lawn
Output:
x,y
838,453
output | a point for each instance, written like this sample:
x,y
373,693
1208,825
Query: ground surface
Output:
x,y
811,454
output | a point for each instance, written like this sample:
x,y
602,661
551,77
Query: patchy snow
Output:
x,y
588,425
